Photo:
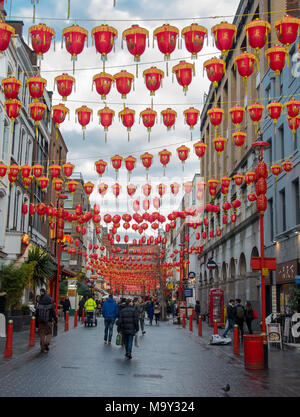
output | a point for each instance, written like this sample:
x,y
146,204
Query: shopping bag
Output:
x,y
255,314
136,341
118,339
54,329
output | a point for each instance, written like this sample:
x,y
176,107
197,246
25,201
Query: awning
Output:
x,y
67,271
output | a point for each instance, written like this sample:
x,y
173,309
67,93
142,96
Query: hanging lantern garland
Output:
x,y
84,115
106,116
75,38
194,36
166,37
104,37
136,42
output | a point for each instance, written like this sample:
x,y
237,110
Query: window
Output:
x,y
280,147
5,141
20,150
296,195
16,209
268,93
15,139
271,219
283,210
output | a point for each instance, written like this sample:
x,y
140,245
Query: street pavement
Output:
x,y
170,362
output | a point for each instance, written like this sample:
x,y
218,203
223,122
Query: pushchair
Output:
x,y
90,319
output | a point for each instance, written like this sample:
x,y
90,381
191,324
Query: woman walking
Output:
x,y
150,311
157,313
249,316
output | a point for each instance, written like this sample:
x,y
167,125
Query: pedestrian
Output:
x,y
150,311
128,326
66,306
230,317
239,316
172,308
81,306
249,316
110,312
45,314
140,308
90,307
2,314
197,310
157,313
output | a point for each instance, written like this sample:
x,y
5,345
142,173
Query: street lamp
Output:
x,y
60,204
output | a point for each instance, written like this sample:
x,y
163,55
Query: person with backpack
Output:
x,y
197,310
249,316
230,317
45,314
239,316
110,311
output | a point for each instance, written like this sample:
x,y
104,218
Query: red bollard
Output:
x,y
200,326
67,322
236,342
75,318
82,317
216,327
32,332
9,340
183,321
191,323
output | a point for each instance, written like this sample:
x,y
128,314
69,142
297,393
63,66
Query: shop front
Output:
x,y
286,273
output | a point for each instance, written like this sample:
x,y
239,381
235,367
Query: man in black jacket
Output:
x,y
45,313
128,325
230,317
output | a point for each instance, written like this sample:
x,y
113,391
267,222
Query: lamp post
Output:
x,y
180,289
61,197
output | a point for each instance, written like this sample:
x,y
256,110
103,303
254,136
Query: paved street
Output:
x,y
170,361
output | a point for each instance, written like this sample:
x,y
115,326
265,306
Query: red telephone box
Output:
x,y
216,306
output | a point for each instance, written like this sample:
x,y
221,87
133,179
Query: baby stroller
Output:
x,y
90,319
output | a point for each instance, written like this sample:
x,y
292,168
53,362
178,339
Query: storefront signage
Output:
x,y
296,326
286,272
297,279
274,333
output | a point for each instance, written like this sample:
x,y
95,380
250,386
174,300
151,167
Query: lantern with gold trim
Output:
x,y
131,189
3,169
250,178
276,170
43,183
6,32
237,115
287,29
75,37
54,170
212,187
184,72
88,187
37,170
164,157
166,37
41,38
224,35
287,166
191,116
100,167
116,188
64,85
102,189
13,170
135,37
215,116
239,139
219,144
194,36
103,83
175,187
124,80
294,123
146,161
215,69
153,79
116,162
148,117
106,116
293,107
57,185
183,153
84,115
168,118
245,63
12,108
36,87
11,87
59,113
256,112
127,117
72,186
200,148
25,171
257,32
276,57
68,169
104,37
129,164
37,111
146,188
238,179
275,110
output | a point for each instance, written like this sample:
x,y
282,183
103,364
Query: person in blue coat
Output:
x,y
110,312
150,311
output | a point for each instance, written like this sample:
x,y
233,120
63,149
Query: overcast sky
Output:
x,y
84,153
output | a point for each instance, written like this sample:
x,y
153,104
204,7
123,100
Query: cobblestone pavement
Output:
x,y
170,361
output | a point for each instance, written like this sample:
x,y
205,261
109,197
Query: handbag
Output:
x,y
136,341
118,339
255,314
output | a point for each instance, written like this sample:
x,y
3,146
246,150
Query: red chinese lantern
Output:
x,y
43,183
219,144
25,171
59,113
116,190
166,37
116,162
225,181
6,32
245,63
287,166
233,218
146,161
200,148
161,188
194,36
88,188
184,73
239,138
11,87
236,204
257,32
130,164
57,185
293,107
32,209
37,111
294,123
276,170
275,110
261,171
191,116
72,185
153,78
164,157
36,87
148,116
64,85
238,179
103,83
252,197
168,118
135,38
237,115
224,34
147,189
84,114
54,170
124,82
276,59
75,37
287,29
131,189
183,153
41,38
100,167
102,189
104,37
127,117
12,108
250,177
256,112
261,203
215,69
106,116
68,169
212,186
37,170
215,115
24,209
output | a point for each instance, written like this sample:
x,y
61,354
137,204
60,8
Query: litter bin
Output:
x,y
253,351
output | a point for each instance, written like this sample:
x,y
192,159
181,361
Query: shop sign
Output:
x,y
286,272
296,326
274,333
188,292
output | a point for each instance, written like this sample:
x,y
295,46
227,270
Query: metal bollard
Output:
x,y
32,332
183,321
191,323
75,318
236,342
200,326
9,340
67,321
216,327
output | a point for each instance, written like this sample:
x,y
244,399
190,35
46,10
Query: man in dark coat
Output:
x,y
45,313
128,325
239,316
66,306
